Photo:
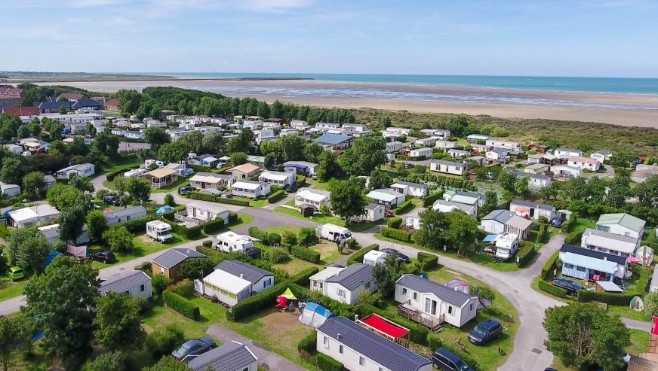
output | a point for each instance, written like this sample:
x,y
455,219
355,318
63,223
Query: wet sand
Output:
x,y
619,109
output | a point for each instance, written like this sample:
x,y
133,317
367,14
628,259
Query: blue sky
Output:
x,y
540,38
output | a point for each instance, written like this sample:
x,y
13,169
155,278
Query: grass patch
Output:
x,y
172,187
328,252
144,245
626,312
9,289
320,219
244,219
317,185
295,265
280,230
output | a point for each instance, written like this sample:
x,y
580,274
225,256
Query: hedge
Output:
x,y
308,343
254,304
302,277
212,198
553,290
181,305
138,225
428,261
300,181
213,226
113,174
233,217
276,196
357,257
433,341
526,253
396,234
549,265
605,297
326,363
429,200
395,222
573,238
201,196
541,234
189,233
305,253
404,207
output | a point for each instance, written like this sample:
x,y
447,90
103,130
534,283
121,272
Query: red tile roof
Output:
x,y
21,111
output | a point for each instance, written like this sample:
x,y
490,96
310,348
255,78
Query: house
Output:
x,y
566,172
444,144
346,286
609,243
51,233
536,168
478,138
313,197
168,263
137,284
38,214
264,135
87,103
327,125
358,128
504,221
420,153
585,163
202,160
394,146
204,180
244,171
622,224
398,131
112,105
231,356
592,265
428,302
317,281
11,95
497,154
464,197
410,189
458,153
125,215
387,197
256,160
280,178
374,212
335,141
563,152
10,190
448,167
449,206
233,281
26,113
53,107
358,348
206,212
425,142
71,97
252,124
161,178
535,181
513,147
249,189
532,210
300,125
601,156
87,170
300,167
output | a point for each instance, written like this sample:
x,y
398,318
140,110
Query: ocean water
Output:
x,y
648,86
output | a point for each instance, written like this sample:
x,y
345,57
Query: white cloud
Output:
x,y
92,3
276,5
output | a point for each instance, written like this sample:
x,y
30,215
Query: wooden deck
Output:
x,y
433,323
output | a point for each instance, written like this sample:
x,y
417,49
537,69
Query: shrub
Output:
x,y
573,238
433,341
288,238
163,341
184,288
605,297
233,217
542,233
525,254
300,181
428,261
272,239
202,196
307,237
276,196
553,290
145,267
207,244
138,225
396,234
181,305
276,255
305,253
113,174
429,200
192,233
357,257
256,303
302,277
258,233
404,207
326,363
233,201
159,283
353,244
394,222
308,343
546,270
213,226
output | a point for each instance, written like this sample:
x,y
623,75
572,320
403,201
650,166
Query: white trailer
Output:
x,y
233,242
374,257
334,233
506,246
159,231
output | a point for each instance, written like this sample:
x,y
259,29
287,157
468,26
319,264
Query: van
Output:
x,y
446,360
334,233
159,231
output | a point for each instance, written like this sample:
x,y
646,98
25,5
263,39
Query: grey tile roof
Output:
x,y
124,282
249,272
501,216
53,105
372,346
373,206
442,292
353,276
231,356
536,205
125,212
592,254
173,257
449,163
332,139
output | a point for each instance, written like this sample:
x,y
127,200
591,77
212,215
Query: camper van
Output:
x,y
159,231
232,242
506,246
334,233
374,257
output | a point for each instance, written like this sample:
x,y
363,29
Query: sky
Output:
x,y
615,38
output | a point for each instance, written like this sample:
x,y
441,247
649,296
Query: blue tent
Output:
x,y
49,259
163,209
314,315
490,238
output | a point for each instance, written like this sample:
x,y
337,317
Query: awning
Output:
x,y
490,238
288,294
609,286
385,326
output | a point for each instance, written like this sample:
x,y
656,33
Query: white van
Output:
x,y
159,231
334,233
233,242
506,246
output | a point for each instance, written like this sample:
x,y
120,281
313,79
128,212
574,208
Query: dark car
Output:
x,y
486,331
112,200
568,285
106,257
409,166
400,256
446,360
557,222
184,190
193,348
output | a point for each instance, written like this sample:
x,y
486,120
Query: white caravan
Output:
x,y
159,231
233,242
506,246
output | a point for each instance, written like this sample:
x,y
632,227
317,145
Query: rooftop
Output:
x,y
245,168
353,276
531,204
625,220
230,356
592,254
173,257
333,139
442,292
247,271
124,282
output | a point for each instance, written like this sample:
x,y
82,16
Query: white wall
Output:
x,y
351,297
263,283
492,226
623,231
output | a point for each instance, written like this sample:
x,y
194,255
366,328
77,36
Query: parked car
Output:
x,y
389,213
409,166
291,188
112,200
446,360
557,222
106,257
486,331
184,190
400,256
566,284
16,273
193,348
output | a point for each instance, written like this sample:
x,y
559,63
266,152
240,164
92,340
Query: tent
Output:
x,y
314,315
49,259
288,294
163,209
77,251
637,304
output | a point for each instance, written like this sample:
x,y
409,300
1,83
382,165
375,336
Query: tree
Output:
x,y
312,152
27,248
647,191
214,143
307,237
61,303
619,189
138,189
164,340
483,292
462,232
366,155
328,167
379,179
106,144
118,323
63,197
432,225
129,101
521,186
168,363
582,335
71,222
386,275
82,183
490,203
196,268
96,225
457,125
242,142
238,158
346,199
507,181
12,333
293,147
23,131
651,304
172,152
11,171
119,239
78,147
108,361
90,130
33,184
156,137
159,283
169,200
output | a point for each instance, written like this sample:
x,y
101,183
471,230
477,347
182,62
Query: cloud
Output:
x,y
276,5
91,3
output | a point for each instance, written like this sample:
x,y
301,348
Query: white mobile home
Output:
x,y
504,221
250,189
206,212
394,146
622,224
87,170
233,242
567,152
233,281
532,210
159,231
346,286
585,163
374,212
610,243
125,215
38,214
10,190
137,284
387,197
317,281
280,178
448,167
205,180
410,189
313,197
421,153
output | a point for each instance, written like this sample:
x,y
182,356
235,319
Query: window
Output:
x,y
415,296
340,349
470,307
362,361
142,288
325,342
404,291
449,309
341,293
245,369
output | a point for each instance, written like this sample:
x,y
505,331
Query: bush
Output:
x,y
258,233
207,244
272,239
159,283
525,254
553,290
184,288
428,261
605,297
302,277
395,222
547,269
404,207
326,363
433,341
396,234
181,305
164,340
288,238
145,267
307,237
308,343
357,257
113,174
573,238
429,200
213,226
276,255
138,225
233,201
233,217
192,233
542,234
276,196
300,181
353,244
305,253
256,303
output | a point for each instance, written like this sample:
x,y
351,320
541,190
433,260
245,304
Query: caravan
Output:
x,y
506,246
374,257
232,242
334,233
159,231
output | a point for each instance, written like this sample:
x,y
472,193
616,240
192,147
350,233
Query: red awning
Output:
x,y
654,329
385,326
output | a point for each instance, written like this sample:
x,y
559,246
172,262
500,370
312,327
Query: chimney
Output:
x,y
241,275
338,336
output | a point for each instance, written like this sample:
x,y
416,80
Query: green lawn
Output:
x,y
172,187
258,203
317,185
9,289
124,166
244,219
581,224
320,219
144,245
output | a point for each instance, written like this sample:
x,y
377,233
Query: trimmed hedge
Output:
x,y
302,277
201,196
427,260
526,253
553,290
189,233
573,238
404,207
233,217
357,257
395,222
181,305
396,234
256,303
433,341
113,174
276,196
212,198
429,200
542,233
605,297
213,226
308,343
305,253
326,363
549,265
138,225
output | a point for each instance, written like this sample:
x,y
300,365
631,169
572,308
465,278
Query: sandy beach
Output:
x,y
619,109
